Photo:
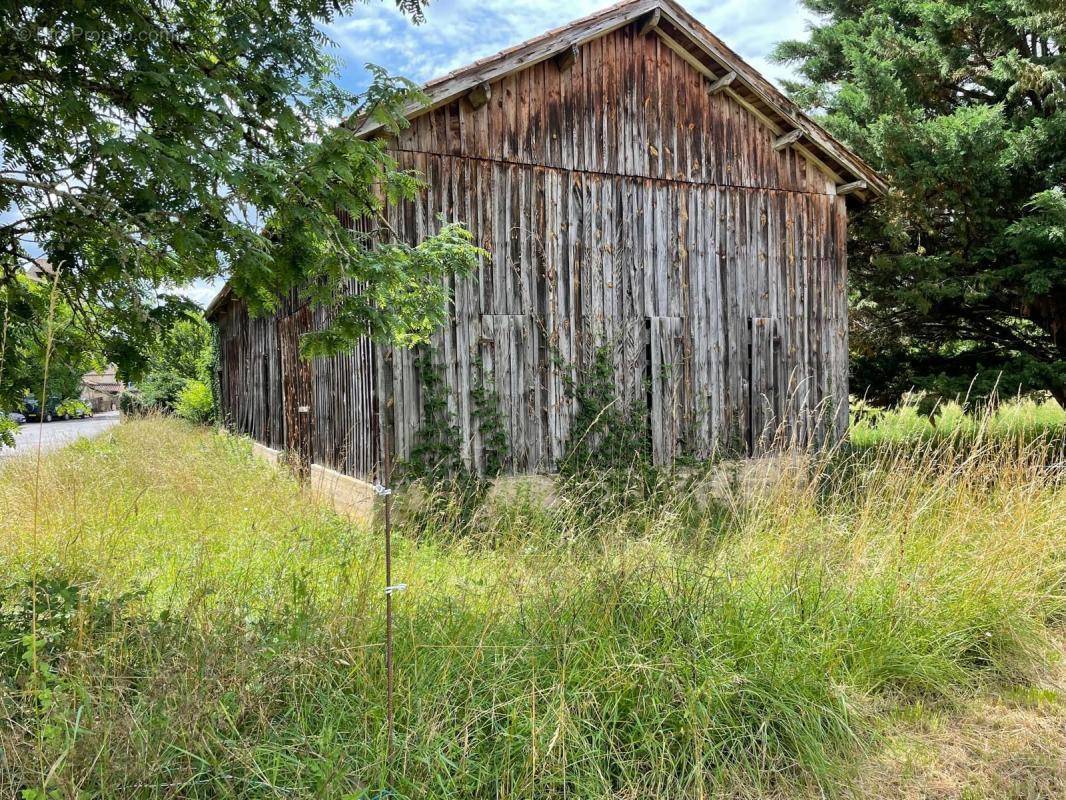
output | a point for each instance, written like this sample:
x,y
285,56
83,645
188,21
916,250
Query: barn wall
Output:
x,y
264,386
623,207
652,269
626,207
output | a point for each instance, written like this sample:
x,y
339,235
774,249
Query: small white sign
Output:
x,y
304,409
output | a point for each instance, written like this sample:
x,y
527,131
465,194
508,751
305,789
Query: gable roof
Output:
x,y
704,51
687,36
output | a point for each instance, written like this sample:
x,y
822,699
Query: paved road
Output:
x,y
57,434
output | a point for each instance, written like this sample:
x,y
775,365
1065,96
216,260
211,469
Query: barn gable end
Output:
x,y
628,105
636,204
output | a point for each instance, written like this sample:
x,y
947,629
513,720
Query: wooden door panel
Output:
x,y
297,394
666,387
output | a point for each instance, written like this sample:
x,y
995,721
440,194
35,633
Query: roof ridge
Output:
x,y
606,11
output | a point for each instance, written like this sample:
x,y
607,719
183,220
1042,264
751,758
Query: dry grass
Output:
x,y
1004,742
179,620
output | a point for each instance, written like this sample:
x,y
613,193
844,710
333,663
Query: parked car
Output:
x,y
31,409
17,417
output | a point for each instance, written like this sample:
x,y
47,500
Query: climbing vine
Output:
x,y
603,435
610,445
486,400
455,491
437,452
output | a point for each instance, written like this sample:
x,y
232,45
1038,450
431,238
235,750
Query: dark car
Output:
x,y
31,408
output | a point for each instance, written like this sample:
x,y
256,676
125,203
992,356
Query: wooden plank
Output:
x,y
763,397
722,83
783,141
666,412
298,401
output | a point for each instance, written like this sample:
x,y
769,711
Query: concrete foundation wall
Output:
x,y
349,497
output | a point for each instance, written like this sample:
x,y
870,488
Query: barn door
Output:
x,y
296,391
665,387
762,388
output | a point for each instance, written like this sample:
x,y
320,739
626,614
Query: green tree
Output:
x,y
146,144
960,275
182,354
32,327
185,349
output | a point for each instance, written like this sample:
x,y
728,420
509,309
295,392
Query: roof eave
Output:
x,y
217,301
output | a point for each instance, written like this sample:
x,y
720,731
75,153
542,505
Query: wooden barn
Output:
x,y
645,196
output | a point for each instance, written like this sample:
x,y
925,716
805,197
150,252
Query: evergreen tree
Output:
x,y
959,278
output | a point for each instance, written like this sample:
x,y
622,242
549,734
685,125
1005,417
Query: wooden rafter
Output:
x,y
781,142
722,83
650,23
566,58
854,186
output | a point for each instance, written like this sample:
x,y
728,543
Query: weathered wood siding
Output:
x,y
263,385
249,378
623,207
629,105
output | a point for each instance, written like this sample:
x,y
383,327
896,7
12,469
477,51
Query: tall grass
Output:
x,y
205,630
1021,420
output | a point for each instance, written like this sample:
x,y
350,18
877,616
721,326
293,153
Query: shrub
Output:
x,y
196,403
160,390
7,430
131,402
72,406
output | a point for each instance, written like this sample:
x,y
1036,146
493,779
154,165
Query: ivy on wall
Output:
x,y
494,446
603,435
437,455
437,451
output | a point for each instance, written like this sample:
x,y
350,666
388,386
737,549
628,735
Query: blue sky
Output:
x,y
457,32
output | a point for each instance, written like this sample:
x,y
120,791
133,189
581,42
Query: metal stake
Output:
x,y
389,714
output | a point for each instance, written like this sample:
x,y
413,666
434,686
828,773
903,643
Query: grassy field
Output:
x,y
178,620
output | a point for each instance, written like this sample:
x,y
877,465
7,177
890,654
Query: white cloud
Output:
x,y
457,32
201,292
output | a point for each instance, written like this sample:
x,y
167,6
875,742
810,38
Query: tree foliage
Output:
x,y
960,275
183,354
196,403
147,144
35,327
